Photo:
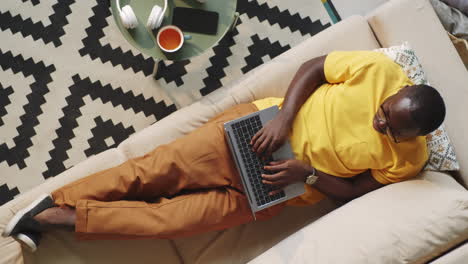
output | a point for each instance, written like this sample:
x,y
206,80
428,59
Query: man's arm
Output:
x,y
345,190
337,188
308,78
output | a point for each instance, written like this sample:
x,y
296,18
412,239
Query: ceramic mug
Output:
x,y
170,38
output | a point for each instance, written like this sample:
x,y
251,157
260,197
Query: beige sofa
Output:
x,y
409,222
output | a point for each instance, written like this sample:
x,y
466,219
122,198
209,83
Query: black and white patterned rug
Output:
x,y
71,86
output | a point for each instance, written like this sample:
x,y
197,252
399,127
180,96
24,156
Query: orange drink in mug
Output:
x,y
170,38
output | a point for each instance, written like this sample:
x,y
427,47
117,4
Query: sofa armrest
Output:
x,y
407,222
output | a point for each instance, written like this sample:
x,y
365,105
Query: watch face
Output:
x,y
311,180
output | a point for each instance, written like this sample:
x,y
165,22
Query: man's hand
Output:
x,y
272,136
286,172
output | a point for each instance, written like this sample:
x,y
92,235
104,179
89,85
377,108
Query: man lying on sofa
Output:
x,y
355,123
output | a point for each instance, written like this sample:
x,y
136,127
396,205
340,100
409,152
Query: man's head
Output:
x,y
414,111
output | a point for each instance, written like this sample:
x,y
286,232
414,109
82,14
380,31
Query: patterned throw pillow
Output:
x,y
441,153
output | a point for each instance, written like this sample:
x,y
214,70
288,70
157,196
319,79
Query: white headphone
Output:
x,y
129,19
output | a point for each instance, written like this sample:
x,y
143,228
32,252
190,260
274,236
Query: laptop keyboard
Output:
x,y
244,131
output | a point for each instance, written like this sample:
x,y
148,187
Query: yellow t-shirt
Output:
x,y
333,129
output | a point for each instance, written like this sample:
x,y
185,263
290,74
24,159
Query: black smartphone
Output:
x,y
196,20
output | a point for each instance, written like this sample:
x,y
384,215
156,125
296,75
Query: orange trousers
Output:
x,y
186,187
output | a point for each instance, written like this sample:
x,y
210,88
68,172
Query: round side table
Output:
x,y
144,39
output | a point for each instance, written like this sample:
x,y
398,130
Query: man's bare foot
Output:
x,y
57,216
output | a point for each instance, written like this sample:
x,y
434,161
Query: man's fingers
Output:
x,y
264,145
275,183
258,142
271,148
275,192
275,166
277,162
273,177
256,136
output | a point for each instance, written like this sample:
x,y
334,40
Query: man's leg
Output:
x,y
198,160
181,216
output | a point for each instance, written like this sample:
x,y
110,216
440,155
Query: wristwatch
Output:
x,y
311,179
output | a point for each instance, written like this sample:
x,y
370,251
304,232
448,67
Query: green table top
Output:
x,y
144,39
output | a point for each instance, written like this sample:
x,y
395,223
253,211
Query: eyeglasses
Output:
x,y
388,129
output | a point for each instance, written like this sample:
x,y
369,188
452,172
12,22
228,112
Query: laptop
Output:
x,y
239,132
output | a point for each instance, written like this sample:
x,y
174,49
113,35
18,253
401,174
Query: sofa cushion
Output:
x,y
60,247
243,243
10,251
407,222
169,128
440,149
416,22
